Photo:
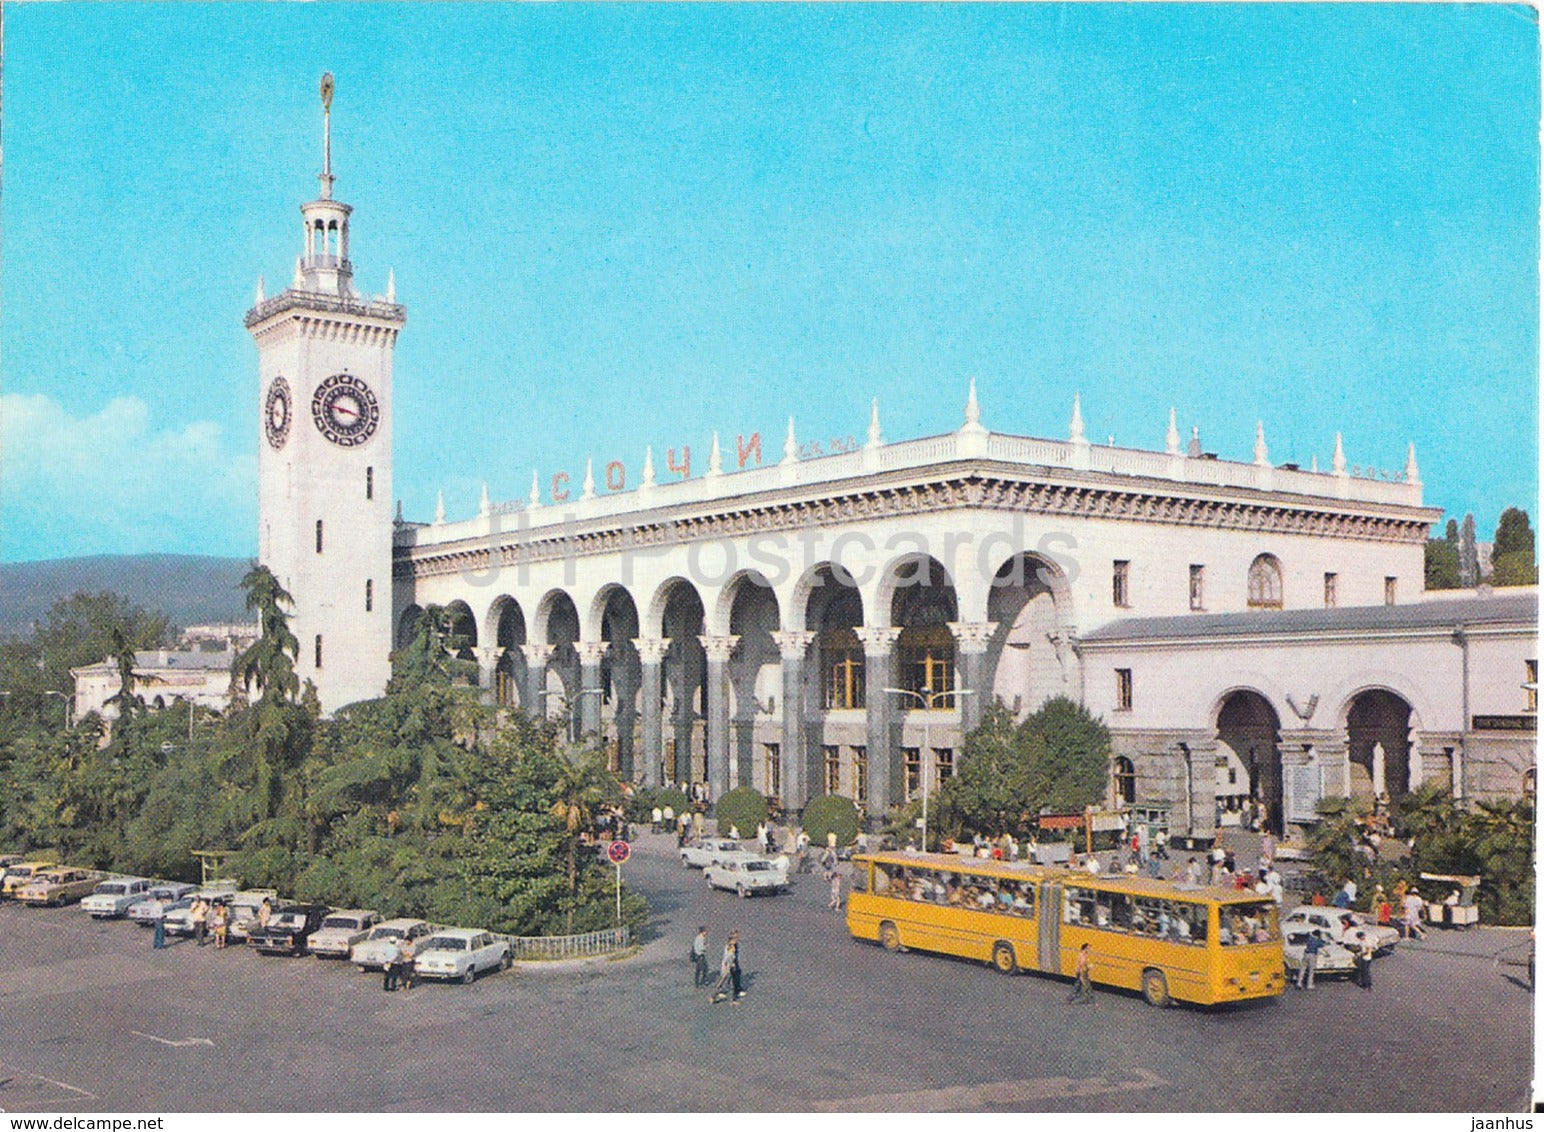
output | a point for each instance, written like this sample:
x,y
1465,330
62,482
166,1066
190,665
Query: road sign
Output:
x,y
619,852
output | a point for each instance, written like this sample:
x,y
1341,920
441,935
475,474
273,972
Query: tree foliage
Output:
x,y
743,807
1442,565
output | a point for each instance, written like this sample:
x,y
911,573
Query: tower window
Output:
x,y
774,755
318,536
833,770
1331,585
1123,689
860,775
1120,584
318,650
1390,590
369,483
369,595
1265,582
1197,587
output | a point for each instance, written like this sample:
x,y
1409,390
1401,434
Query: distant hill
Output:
x,y
190,589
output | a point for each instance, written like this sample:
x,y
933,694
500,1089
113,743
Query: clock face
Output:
x,y
277,413
345,410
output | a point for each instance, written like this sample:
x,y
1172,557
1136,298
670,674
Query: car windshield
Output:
x,y
758,866
180,905
112,888
386,933
1248,923
347,923
287,920
445,943
163,894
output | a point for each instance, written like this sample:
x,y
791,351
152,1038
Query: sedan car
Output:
x,y
460,954
372,953
1340,926
747,875
1333,958
58,887
16,876
245,909
289,931
340,932
707,851
156,902
179,917
113,898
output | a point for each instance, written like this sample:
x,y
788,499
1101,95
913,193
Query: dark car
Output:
x,y
288,929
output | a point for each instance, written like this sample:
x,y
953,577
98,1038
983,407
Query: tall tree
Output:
x,y
1451,534
124,699
269,664
1512,557
1442,565
582,786
1468,554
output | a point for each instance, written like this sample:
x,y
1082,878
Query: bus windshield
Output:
x,y
1248,923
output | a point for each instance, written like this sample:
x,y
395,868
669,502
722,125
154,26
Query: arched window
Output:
x,y
1265,582
318,650
1125,781
369,595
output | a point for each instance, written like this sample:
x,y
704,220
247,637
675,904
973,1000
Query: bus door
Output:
x,y
1050,927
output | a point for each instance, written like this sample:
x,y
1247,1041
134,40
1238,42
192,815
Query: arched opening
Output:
x,y
1378,745
1123,773
508,632
461,635
407,625
560,619
1265,589
834,612
922,606
684,681
1030,660
1248,770
755,670
621,675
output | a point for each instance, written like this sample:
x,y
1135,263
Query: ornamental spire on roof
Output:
x,y
439,509
1075,431
875,436
1171,438
648,466
1340,457
589,479
484,506
1262,456
790,445
535,500
715,459
972,411
1412,472
326,177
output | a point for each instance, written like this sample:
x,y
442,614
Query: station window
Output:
x,y
833,770
1331,598
860,775
1197,588
912,757
774,757
943,765
843,663
927,662
1265,582
369,595
318,650
1390,590
369,483
318,536
1123,689
1120,584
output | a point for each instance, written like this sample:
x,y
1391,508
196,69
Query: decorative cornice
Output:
x,y
956,493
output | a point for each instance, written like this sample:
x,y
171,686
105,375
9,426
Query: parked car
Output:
x,y
1340,926
20,874
156,901
58,887
9,859
289,931
115,896
460,954
1333,958
341,931
370,954
244,909
747,874
708,851
179,918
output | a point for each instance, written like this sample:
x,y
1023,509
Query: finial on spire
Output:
x,y
1412,472
484,507
439,509
1339,463
1313,463
1171,438
790,445
326,177
535,490
260,295
1075,433
648,466
298,281
391,285
715,459
875,437
1262,456
589,480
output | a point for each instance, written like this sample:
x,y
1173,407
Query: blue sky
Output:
x,y
615,226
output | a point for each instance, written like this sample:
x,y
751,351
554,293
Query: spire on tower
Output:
x,y
1194,451
1075,432
715,459
589,480
648,466
484,507
875,436
260,295
391,285
1412,472
1339,463
1171,438
326,177
439,509
535,490
972,411
790,445
1262,456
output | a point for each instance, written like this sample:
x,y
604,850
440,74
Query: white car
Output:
x,y
708,851
1333,958
244,907
178,918
460,953
153,906
1339,926
113,898
340,931
747,874
371,954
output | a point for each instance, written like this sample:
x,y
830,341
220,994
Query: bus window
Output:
x,y
1080,907
884,881
1023,897
1120,911
1247,923
1190,922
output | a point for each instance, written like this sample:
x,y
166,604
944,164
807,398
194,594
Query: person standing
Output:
x,y
1082,986
725,972
835,903
1364,954
1311,948
1414,906
405,971
699,955
734,968
220,921
668,815
160,931
657,817
389,968
199,914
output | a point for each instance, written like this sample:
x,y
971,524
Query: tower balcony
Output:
x,y
293,299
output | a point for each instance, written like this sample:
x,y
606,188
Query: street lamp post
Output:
x,y
927,698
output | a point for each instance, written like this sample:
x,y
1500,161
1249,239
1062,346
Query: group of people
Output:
x,y
211,917
729,985
397,971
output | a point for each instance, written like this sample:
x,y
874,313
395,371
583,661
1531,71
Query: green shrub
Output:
x,y
742,807
831,813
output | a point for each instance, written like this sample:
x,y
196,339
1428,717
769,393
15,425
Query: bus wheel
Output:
x,y
1004,959
1155,988
889,936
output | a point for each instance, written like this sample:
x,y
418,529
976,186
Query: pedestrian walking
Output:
x,y
725,972
835,902
389,968
1311,948
160,932
1413,908
220,918
199,914
734,969
657,816
1082,986
405,971
1364,955
699,957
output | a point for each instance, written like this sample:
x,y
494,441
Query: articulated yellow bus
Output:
x,y
1168,940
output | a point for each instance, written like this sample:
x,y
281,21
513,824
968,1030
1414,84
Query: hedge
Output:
x,y
743,808
831,813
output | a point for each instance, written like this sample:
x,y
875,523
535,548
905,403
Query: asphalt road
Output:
x,y
92,1019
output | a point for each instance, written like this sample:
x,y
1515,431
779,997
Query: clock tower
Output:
x,y
324,452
